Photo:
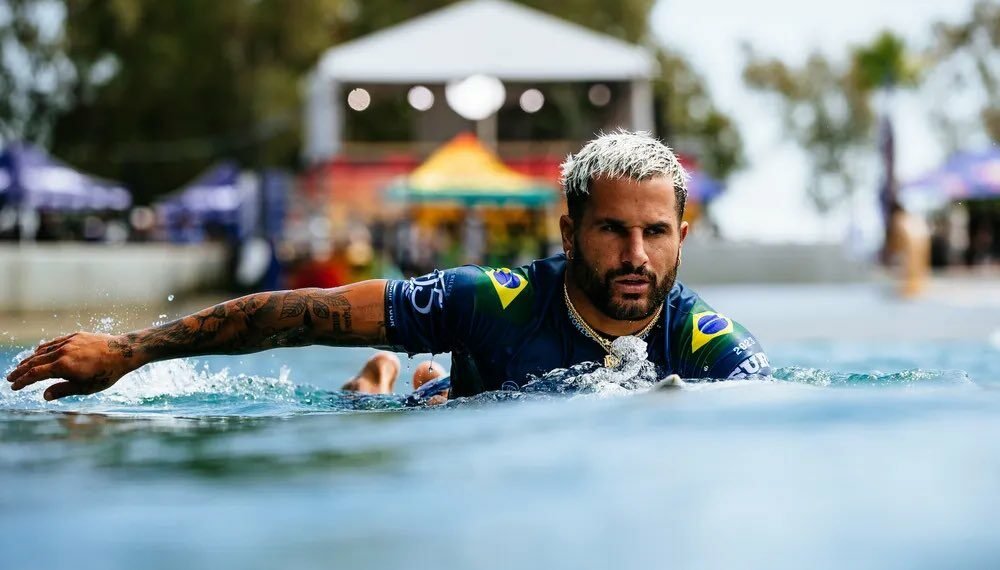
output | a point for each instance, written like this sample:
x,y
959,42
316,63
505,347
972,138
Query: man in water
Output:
x,y
622,240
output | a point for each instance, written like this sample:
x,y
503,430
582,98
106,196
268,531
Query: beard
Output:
x,y
598,287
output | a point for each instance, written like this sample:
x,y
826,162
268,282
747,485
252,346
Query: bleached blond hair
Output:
x,y
620,154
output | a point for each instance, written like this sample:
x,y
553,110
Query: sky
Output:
x,y
767,200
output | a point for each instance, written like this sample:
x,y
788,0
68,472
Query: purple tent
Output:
x,y
965,176
5,181
217,197
29,178
703,188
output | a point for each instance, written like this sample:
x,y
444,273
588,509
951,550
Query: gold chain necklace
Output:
x,y
610,360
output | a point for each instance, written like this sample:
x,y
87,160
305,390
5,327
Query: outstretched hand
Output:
x,y
86,362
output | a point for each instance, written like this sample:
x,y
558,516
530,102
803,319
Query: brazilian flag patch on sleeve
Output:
x,y
507,284
706,326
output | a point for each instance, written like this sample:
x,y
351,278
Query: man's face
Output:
x,y
626,246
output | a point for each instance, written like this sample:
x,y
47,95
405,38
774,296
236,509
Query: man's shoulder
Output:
x,y
683,301
690,313
707,340
508,292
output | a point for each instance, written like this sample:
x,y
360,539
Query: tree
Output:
x,y
964,58
192,82
35,75
689,119
827,107
686,114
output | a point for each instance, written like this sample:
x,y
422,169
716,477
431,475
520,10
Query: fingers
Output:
x,y
46,346
34,374
52,347
31,362
43,354
61,390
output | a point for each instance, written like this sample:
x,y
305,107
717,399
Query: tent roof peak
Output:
x,y
493,37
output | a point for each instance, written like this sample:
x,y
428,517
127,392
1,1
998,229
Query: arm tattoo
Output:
x,y
262,321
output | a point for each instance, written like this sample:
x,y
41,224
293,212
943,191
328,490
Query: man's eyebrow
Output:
x,y
611,221
659,226
663,224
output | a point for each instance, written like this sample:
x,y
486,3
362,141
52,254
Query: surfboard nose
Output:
x,y
672,382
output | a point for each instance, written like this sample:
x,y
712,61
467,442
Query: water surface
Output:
x,y
860,455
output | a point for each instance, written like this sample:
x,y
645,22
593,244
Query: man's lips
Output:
x,y
632,284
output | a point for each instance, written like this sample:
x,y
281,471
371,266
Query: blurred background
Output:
x,y
158,156
154,149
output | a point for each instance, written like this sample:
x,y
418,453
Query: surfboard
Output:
x,y
672,382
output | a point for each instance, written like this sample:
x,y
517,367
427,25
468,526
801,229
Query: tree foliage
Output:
x,y
965,56
193,81
689,119
35,75
827,107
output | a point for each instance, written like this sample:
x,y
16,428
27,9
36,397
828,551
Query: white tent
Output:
x,y
492,37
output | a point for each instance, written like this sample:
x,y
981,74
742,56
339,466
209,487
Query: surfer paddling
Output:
x,y
622,240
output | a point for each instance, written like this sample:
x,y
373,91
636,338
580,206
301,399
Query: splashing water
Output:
x,y
183,388
188,389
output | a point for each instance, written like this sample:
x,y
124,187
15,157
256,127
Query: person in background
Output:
x,y
910,247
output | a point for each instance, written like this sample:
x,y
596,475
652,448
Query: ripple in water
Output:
x,y
181,388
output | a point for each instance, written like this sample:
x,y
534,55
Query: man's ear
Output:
x,y
684,234
566,228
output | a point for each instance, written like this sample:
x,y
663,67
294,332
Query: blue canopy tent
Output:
x,y
275,186
965,176
218,197
31,179
5,182
702,188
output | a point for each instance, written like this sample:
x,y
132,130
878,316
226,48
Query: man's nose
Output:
x,y
634,252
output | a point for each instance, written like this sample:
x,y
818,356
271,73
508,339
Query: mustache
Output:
x,y
629,271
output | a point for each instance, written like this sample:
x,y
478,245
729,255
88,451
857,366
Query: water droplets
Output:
x,y
105,325
916,377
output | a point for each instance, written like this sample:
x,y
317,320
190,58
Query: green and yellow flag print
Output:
x,y
505,293
507,284
707,325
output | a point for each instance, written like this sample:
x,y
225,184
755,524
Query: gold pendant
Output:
x,y
612,361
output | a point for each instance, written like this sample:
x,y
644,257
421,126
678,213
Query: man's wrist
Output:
x,y
127,346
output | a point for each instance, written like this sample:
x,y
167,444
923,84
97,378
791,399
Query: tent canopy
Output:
x,y
30,178
971,175
215,196
464,171
219,196
703,188
493,37
498,38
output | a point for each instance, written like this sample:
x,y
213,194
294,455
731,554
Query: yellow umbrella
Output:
x,y
465,171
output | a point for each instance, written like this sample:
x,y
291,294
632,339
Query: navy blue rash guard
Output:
x,y
503,325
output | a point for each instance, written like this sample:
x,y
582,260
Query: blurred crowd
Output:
x,y
404,247
966,235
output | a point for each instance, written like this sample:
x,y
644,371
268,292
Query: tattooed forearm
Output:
x,y
345,316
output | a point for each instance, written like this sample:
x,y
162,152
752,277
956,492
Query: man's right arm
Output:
x,y
352,315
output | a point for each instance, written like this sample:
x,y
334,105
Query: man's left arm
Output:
x,y
713,346
739,356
